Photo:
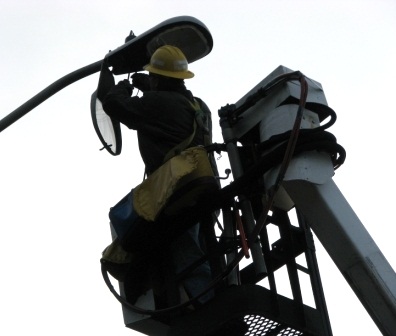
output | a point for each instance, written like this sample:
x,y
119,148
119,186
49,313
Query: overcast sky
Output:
x,y
57,187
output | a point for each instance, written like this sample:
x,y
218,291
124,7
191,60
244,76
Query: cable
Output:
x,y
286,159
264,91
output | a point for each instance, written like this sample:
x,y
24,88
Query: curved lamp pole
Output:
x,y
48,92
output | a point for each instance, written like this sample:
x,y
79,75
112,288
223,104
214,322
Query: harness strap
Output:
x,y
198,120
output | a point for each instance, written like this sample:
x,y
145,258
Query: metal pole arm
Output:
x,y
350,246
48,92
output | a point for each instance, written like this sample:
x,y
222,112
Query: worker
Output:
x,y
163,117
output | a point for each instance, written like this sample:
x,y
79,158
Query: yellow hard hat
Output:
x,y
169,61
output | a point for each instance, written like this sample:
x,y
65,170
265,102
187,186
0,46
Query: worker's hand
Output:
x,y
141,81
127,85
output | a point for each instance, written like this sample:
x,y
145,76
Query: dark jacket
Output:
x,y
162,119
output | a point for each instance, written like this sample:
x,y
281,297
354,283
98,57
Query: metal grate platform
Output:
x,y
261,326
249,310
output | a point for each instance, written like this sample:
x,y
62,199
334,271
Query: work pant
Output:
x,y
186,249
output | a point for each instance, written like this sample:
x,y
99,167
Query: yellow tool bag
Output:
x,y
183,172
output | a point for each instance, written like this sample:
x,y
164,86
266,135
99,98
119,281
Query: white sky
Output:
x,y
57,187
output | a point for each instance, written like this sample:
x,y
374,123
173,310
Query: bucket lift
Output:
x,y
282,160
268,189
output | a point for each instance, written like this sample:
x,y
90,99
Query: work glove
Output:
x,y
141,81
127,85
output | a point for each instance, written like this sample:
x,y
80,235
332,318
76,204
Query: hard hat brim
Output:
x,y
174,74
